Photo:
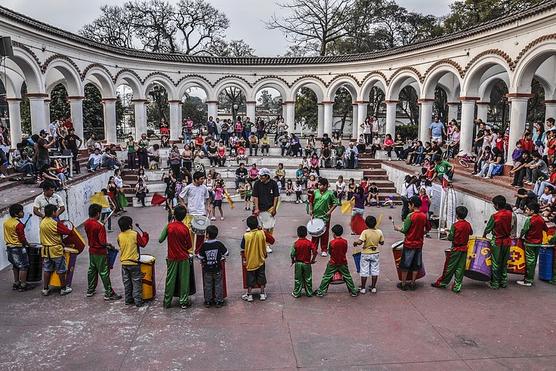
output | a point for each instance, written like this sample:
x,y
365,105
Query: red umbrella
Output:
x,y
358,224
158,199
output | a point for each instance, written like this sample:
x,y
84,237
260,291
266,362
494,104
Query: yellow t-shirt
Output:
x,y
129,251
51,239
371,238
255,249
10,232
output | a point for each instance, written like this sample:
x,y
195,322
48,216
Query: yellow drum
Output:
x,y
71,256
149,282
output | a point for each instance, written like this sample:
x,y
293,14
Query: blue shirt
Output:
x,y
437,129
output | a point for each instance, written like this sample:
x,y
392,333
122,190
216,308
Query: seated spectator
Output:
x,y
280,175
524,197
388,145
265,145
340,188
375,146
339,152
212,153
519,171
312,182
372,195
492,167
453,145
241,154
310,146
551,146
537,170
289,187
325,157
21,161
95,160
527,142
47,175
539,186
351,156
253,144
484,158
398,147
253,173
221,153
314,164
295,146
109,160
300,175
284,143
154,157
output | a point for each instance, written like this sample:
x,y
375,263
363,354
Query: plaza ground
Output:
x,y
430,329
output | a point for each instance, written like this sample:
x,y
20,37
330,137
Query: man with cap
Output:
x,y
265,196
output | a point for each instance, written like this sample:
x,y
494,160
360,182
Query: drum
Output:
x,y
192,285
358,224
266,220
316,227
244,270
546,257
147,270
71,256
337,279
478,263
516,262
199,224
224,286
112,254
397,252
74,240
357,261
34,274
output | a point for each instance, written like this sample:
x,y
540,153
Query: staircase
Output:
x,y
372,169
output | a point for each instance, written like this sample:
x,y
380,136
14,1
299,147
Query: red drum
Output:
x,y
516,262
479,261
358,224
337,279
397,252
244,270
224,288
74,240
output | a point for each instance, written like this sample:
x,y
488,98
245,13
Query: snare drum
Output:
x,y
34,274
266,220
397,252
199,224
111,255
516,262
148,281
74,240
71,256
479,261
316,227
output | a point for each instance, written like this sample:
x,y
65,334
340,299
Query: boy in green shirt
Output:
x,y
323,204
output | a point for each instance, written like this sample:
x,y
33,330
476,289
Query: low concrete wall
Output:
x,y
479,210
77,203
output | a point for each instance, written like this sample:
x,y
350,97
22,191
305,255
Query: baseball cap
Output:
x,y
264,171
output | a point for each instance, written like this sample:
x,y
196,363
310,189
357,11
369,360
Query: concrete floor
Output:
x,y
430,329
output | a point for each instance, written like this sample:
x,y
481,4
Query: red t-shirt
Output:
x,y
337,249
96,236
414,228
179,241
304,250
527,145
460,232
536,228
502,221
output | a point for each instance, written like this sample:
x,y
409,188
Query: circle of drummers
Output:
x,y
189,234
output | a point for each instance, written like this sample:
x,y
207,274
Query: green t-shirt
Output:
x,y
322,202
443,167
130,146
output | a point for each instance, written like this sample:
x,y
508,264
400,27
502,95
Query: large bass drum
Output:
x,y
397,252
316,227
479,262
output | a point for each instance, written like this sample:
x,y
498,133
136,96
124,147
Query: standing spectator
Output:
x,y
142,151
41,150
437,130
70,142
131,152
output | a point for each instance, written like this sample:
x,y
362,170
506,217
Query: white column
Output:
x,y
452,111
391,118
550,109
110,134
47,111
38,115
140,113
175,119
362,115
76,111
213,109
320,120
482,111
327,117
425,118
518,117
467,118
290,115
251,110
355,121
15,120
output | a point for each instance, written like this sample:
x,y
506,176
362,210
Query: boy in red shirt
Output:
x,y
500,225
98,259
414,227
337,250
177,262
455,265
303,254
532,234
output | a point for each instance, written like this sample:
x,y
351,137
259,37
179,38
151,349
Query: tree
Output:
x,y
152,22
59,104
343,106
93,118
314,22
157,108
408,103
306,106
195,108
113,27
234,48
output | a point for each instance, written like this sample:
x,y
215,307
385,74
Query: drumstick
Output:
x,y
137,225
379,221
108,217
25,224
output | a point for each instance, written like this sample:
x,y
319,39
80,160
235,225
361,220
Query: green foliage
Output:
x,y
59,104
408,104
440,106
306,106
25,111
93,119
157,108
195,108
409,131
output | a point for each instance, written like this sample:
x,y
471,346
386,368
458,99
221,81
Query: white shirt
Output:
x,y
195,197
41,201
97,158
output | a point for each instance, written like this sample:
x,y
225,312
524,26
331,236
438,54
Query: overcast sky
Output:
x,y
246,17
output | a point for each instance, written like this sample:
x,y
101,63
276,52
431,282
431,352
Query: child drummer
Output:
x,y
455,266
129,242
51,232
337,263
16,243
370,238
177,261
532,235
303,254
323,205
500,225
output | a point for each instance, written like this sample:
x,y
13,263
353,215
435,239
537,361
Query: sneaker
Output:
x,y
247,297
213,218
362,291
437,285
320,294
90,293
207,304
373,290
524,283
295,296
45,292
129,303
220,304
401,287
139,305
413,286
354,294
15,286
324,253
262,297
268,249
112,296
221,218
494,287
66,290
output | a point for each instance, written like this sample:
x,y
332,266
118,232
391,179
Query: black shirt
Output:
x,y
241,172
71,141
211,254
266,192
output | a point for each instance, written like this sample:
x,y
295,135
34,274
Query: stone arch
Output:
x,y
435,74
63,69
485,89
347,82
399,80
371,80
270,82
189,81
12,81
313,83
127,77
30,68
231,81
529,61
476,70
164,80
102,80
